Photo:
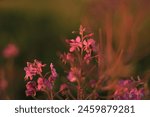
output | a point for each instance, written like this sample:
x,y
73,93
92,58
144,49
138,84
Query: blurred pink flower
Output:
x,y
74,74
54,74
71,77
89,45
67,58
87,58
40,82
31,88
33,69
3,84
39,66
127,90
63,87
53,70
43,83
75,44
11,50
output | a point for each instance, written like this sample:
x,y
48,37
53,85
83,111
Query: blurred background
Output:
x,y
35,29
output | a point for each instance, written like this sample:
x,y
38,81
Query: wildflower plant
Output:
x,y
80,59
36,81
86,76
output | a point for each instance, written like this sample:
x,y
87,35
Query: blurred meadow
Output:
x,y
39,29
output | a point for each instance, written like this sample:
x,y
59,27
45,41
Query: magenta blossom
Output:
x,y
54,74
30,71
75,44
74,74
33,69
11,50
129,94
67,58
127,90
89,45
71,77
63,87
40,82
31,88
43,84
53,70
39,66
87,58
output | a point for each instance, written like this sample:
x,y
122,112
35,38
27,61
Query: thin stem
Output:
x,y
46,74
48,94
96,86
35,98
70,94
78,91
51,94
59,97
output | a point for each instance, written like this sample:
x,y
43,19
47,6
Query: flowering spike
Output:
x,y
81,29
54,74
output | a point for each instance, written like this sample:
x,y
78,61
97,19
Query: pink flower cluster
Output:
x,y
42,84
33,69
82,43
128,90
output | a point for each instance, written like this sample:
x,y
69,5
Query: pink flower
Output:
x,y
127,90
87,58
67,58
71,77
53,71
39,66
31,88
75,44
30,71
89,45
33,69
43,84
53,75
40,82
74,74
63,87
10,51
